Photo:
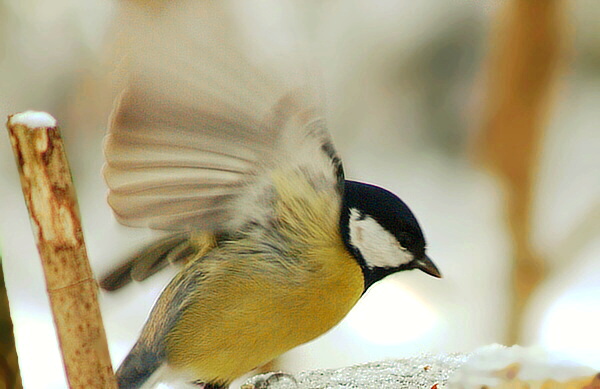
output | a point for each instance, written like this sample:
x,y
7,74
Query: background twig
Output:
x,y
10,377
527,48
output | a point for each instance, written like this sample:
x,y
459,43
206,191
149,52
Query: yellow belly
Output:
x,y
254,317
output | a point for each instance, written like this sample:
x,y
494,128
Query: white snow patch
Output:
x,y
33,119
489,366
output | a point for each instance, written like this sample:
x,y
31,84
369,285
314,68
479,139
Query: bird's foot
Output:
x,y
266,380
203,385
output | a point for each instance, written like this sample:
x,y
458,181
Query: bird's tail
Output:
x,y
138,367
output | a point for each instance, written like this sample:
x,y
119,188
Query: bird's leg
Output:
x,y
204,385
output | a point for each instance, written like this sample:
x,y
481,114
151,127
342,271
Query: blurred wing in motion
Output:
x,y
205,118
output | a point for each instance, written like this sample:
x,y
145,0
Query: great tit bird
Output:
x,y
236,163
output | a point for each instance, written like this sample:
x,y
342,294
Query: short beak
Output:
x,y
426,265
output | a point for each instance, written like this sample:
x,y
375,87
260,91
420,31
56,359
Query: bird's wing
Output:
x,y
174,249
204,120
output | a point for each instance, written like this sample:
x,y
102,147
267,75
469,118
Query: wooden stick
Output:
x,y
54,215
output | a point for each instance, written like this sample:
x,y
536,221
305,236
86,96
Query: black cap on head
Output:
x,y
394,216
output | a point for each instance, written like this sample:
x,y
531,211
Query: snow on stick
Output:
x,y
54,215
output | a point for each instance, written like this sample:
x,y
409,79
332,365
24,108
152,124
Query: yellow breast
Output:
x,y
252,307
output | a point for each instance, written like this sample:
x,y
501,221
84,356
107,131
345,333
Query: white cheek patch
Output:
x,y
378,247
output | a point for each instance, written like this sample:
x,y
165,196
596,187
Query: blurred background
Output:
x,y
482,115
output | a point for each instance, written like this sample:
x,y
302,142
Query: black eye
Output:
x,y
405,240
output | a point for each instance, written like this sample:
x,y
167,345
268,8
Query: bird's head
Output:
x,y
382,233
